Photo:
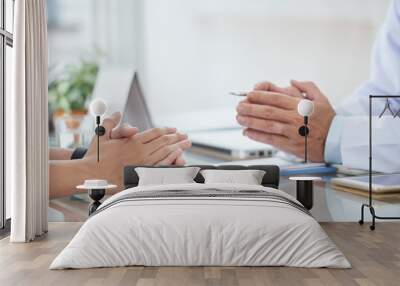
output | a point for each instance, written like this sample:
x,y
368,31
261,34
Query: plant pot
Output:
x,y
70,122
74,118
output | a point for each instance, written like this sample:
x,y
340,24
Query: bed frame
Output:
x,y
270,179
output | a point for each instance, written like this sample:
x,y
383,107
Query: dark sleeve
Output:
x,y
78,153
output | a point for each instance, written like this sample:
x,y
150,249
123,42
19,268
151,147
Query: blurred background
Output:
x,y
173,63
189,54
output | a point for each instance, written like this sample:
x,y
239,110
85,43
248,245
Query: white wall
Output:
x,y
82,27
114,30
192,53
71,37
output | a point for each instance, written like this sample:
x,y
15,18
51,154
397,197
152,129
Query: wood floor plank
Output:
x,y
375,258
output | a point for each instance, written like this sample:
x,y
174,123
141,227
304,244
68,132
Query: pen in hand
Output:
x,y
244,93
238,93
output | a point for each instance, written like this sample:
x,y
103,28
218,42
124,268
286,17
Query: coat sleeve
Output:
x,y
349,132
385,143
384,76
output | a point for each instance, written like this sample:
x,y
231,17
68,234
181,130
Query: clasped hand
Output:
x,y
125,145
269,115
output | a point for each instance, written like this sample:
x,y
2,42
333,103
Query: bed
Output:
x,y
199,224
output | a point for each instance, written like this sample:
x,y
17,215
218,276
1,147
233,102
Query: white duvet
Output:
x,y
200,231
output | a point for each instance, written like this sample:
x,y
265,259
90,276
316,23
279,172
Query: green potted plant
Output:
x,y
69,93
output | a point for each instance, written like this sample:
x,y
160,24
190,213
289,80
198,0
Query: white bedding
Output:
x,y
200,231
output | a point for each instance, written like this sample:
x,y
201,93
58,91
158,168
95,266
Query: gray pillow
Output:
x,y
248,177
166,176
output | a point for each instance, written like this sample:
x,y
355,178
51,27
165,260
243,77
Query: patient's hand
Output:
x,y
116,131
120,146
152,147
124,145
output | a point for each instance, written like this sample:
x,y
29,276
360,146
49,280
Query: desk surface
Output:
x,y
329,205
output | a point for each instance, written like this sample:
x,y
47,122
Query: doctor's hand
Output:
x,y
269,115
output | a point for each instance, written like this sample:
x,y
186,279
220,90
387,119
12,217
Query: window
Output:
x,y
6,43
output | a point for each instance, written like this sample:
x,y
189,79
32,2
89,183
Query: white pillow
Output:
x,y
248,177
165,176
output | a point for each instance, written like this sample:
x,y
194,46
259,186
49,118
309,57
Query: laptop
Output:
x,y
120,88
228,144
214,132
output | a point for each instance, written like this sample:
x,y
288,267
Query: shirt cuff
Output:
x,y
78,153
332,151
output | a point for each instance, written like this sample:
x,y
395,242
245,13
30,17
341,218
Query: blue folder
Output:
x,y
302,169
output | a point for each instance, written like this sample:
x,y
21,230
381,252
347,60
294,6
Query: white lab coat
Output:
x,y
384,80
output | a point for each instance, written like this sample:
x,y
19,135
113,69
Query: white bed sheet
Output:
x,y
206,231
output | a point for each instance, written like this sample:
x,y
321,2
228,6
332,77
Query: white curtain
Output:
x,y
27,123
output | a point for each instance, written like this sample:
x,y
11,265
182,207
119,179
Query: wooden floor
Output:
x,y
375,257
